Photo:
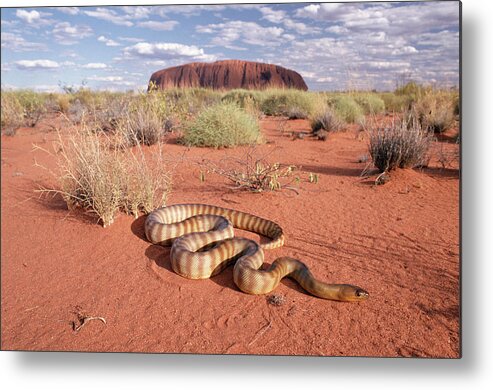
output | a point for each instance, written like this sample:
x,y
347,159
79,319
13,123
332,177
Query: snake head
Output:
x,y
351,293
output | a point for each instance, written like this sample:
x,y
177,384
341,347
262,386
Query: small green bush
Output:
x,y
346,108
243,97
292,103
403,145
222,125
12,113
33,105
396,103
371,103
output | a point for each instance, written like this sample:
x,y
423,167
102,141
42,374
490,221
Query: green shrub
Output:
x,y
403,145
186,102
371,103
33,105
243,97
292,103
12,113
224,124
346,108
396,103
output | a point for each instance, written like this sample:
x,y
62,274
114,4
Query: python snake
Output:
x,y
203,244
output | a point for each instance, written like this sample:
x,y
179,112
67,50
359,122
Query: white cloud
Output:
x,y
36,64
137,12
165,51
15,42
248,32
95,65
69,10
337,29
188,10
167,25
107,41
67,34
131,39
105,78
319,11
28,16
274,16
110,16
156,63
280,17
404,50
34,18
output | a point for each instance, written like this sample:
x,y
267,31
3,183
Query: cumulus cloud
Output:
x,y
95,65
28,16
105,78
248,32
137,12
107,41
33,18
167,25
69,10
110,15
67,34
15,42
274,16
281,17
375,43
164,51
36,64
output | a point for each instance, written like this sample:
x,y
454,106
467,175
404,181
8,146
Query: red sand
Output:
x,y
399,241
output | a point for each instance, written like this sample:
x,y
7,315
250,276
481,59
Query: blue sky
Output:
x,y
333,46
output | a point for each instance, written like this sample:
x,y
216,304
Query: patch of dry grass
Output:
x,y
405,144
101,179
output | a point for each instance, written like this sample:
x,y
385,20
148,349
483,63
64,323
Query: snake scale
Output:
x,y
203,244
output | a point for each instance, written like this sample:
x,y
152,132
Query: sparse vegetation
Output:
x,y
12,113
252,172
371,103
346,108
292,103
98,178
436,110
405,144
222,125
326,120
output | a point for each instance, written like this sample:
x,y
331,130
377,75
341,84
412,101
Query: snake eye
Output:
x,y
361,293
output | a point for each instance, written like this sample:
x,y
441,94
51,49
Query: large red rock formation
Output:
x,y
228,74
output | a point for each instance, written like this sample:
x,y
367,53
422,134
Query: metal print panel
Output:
x,y
262,179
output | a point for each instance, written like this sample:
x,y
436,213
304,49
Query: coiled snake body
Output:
x,y
203,244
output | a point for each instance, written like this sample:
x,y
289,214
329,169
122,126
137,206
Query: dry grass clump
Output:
x,y
253,172
405,144
23,108
436,110
103,180
144,122
222,125
326,120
